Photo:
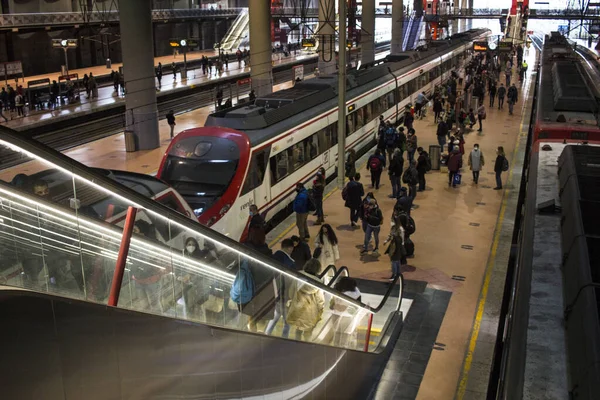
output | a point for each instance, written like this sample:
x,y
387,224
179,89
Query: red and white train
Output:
x,y
257,153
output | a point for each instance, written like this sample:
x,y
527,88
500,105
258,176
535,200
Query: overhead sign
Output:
x,y
309,43
64,43
298,72
505,47
480,46
39,82
244,81
13,68
183,43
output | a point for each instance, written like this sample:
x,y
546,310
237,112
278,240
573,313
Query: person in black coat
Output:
x,y
499,167
422,168
301,253
395,172
352,194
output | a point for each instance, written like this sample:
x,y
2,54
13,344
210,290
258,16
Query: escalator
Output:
x,y
237,32
100,300
411,38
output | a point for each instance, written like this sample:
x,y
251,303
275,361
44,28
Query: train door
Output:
x,y
328,141
256,181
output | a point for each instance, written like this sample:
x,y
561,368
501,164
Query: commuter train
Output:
x,y
257,153
568,94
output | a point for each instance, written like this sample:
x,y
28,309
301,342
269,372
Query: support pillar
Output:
x,y
260,46
138,67
397,26
326,35
367,36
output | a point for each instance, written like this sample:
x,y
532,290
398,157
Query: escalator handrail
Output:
x,y
326,270
56,159
337,274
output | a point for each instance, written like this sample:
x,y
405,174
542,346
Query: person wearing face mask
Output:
x,y
374,218
328,243
256,220
301,210
196,288
476,162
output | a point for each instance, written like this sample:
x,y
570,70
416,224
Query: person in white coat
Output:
x,y
476,162
327,242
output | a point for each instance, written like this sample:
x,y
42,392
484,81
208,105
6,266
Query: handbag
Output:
x,y
457,178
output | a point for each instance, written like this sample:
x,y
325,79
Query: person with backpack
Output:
x,y
307,304
395,172
476,162
423,166
318,190
512,97
501,94
501,165
404,201
352,195
376,164
396,250
411,145
301,208
283,256
454,166
391,137
411,178
171,121
373,219
409,226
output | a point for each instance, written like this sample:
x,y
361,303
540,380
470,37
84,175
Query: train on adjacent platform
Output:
x,y
568,94
257,153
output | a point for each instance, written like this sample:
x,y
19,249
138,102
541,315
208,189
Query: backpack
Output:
x,y
504,164
428,166
242,289
375,163
411,227
408,177
311,201
345,193
390,137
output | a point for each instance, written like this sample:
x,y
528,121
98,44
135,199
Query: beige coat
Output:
x,y
306,307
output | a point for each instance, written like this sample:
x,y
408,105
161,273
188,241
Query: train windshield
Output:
x,y
200,181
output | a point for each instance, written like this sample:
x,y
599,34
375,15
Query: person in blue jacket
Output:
x,y
301,210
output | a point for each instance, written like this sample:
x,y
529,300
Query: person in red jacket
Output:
x,y
454,165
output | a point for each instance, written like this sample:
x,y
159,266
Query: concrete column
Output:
x,y
260,46
138,67
326,62
367,35
397,26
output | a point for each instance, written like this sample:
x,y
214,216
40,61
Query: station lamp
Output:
x,y
65,44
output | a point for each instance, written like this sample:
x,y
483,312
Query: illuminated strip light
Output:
x,y
166,255
164,218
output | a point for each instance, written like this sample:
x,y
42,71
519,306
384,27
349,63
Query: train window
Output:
x,y
256,173
368,113
402,92
350,123
383,102
281,164
360,117
313,146
412,86
391,99
299,154
332,137
375,107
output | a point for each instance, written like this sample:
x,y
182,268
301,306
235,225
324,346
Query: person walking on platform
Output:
x,y
411,145
476,162
512,97
500,165
376,164
318,190
442,133
395,172
480,116
171,121
492,90
351,163
373,219
159,74
411,178
301,210
352,195
507,75
174,70
327,241
501,94
423,165
454,165
396,250
437,108
93,86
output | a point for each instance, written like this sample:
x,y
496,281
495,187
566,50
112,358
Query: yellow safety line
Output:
x,y
462,386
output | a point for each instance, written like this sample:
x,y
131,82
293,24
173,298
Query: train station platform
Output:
x,y
108,97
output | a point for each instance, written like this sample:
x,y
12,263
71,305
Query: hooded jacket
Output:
x,y
306,307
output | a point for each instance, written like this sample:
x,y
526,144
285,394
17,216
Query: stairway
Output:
x,y
237,32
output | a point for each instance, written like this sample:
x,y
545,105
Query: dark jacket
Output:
x,y
301,255
501,92
257,221
437,106
354,194
396,255
381,159
301,202
396,166
318,190
374,217
442,128
404,202
284,259
170,118
422,163
513,94
499,163
454,162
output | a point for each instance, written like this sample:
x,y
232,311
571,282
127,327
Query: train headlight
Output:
x,y
202,148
